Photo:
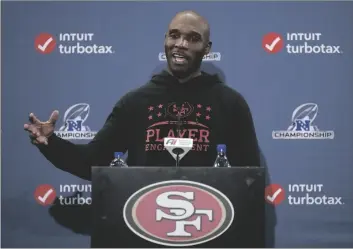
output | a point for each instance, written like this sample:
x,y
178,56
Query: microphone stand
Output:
x,y
178,151
177,160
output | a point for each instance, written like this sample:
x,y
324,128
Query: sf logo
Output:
x,y
181,211
178,213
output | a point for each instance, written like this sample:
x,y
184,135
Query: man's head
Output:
x,y
186,42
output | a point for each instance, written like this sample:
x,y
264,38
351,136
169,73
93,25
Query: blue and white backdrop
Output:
x,y
292,61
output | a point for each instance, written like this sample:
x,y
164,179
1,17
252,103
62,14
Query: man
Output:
x,y
181,101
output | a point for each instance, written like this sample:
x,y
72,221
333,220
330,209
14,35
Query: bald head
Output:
x,y
189,16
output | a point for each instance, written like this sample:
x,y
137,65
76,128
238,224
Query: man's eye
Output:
x,y
195,38
174,36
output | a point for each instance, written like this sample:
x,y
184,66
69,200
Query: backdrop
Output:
x,y
291,61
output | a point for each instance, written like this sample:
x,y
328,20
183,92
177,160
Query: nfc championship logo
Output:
x,y
303,126
74,123
178,213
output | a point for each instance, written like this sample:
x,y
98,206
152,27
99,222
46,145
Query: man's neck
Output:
x,y
186,79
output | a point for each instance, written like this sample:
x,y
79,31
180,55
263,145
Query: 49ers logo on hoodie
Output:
x,y
183,120
182,111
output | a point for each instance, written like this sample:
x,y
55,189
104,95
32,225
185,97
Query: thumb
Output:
x,y
54,117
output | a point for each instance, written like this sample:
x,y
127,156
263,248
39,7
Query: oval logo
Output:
x,y
178,213
183,111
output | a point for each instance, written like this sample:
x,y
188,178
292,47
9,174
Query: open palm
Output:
x,y
40,131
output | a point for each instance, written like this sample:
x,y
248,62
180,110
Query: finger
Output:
x,y
42,140
33,136
31,129
33,119
54,117
34,141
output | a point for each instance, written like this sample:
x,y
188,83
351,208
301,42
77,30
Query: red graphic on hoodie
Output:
x,y
182,111
178,120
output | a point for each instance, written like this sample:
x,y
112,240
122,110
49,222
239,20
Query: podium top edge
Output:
x,y
183,167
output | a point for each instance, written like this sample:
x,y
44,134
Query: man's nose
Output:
x,y
182,43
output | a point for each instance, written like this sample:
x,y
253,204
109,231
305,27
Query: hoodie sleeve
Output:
x,y
242,147
78,159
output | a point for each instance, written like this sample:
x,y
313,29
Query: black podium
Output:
x,y
154,207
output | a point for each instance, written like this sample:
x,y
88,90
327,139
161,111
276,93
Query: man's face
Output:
x,y
185,45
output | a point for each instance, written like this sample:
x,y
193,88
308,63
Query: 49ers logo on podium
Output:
x,y
178,213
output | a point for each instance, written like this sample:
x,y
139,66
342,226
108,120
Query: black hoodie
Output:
x,y
209,111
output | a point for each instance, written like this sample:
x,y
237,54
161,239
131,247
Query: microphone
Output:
x,y
178,147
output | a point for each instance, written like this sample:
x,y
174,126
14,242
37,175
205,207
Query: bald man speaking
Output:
x,y
181,101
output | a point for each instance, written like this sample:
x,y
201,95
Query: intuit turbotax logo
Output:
x,y
71,44
68,194
302,126
298,43
300,194
74,126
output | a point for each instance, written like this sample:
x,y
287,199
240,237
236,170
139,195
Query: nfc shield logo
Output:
x,y
178,213
74,123
302,125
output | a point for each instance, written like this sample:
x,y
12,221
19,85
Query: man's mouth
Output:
x,y
179,58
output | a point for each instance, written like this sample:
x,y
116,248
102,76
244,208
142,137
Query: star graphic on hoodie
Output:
x,y
156,112
203,112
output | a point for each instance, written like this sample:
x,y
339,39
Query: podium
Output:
x,y
165,207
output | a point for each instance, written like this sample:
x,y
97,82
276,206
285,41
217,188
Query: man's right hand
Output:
x,y
39,131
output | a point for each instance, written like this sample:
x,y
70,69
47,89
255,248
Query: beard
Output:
x,y
183,71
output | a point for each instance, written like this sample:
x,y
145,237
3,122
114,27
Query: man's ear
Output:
x,y
208,47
